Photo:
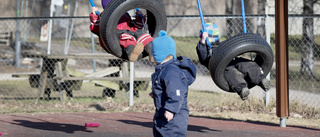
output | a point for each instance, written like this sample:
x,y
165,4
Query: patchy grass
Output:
x,y
204,104
301,82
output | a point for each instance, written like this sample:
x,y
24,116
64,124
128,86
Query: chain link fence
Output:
x,y
79,71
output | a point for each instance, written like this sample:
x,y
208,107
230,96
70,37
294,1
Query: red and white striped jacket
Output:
x,y
123,24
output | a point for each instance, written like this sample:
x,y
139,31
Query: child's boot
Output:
x,y
244,93
265,84
146,40
134,52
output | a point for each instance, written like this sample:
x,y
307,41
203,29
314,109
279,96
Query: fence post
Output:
x,y
92,45
17,61
66,48
50,27
267,101
131,83
282,60
72,24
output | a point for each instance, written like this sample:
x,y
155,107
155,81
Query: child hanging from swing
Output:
x,y
241,74
132,38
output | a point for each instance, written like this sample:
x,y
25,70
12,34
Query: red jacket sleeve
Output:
x,y
94,25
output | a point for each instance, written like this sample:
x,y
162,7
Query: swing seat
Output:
x,y
236,46
156,21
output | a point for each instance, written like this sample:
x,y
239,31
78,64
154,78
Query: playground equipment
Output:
x,y
156,21
237,45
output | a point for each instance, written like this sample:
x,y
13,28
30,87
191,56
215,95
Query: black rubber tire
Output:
x,y
156,20
237,45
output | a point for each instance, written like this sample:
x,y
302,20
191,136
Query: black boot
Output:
x,y
244,93
265,84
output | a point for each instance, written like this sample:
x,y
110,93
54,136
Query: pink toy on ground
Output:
x,y
92,125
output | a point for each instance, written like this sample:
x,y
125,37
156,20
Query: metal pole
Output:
x,y
50,27
243,17
67,31
72,24
131,83
283,122
202,21
201,14
267,101
17,40
244,22
282,100
92,46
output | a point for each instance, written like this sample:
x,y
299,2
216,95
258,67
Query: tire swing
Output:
x,y
238,45
156,21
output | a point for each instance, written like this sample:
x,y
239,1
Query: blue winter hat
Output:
x,y
163,46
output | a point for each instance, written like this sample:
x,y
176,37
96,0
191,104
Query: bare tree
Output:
x,y
261,20
307,62
45,8
229,11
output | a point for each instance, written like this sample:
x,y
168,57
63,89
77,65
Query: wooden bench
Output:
x,y
111,84
6,37
33,78
56,75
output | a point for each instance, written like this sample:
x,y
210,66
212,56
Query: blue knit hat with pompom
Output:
x,y
163,46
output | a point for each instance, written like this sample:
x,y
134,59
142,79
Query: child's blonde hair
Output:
x,y
169,57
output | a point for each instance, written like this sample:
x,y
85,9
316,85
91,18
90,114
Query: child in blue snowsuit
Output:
x,y
170,83
241,74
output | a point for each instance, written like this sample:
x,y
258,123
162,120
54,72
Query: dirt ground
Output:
x,y
135,124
